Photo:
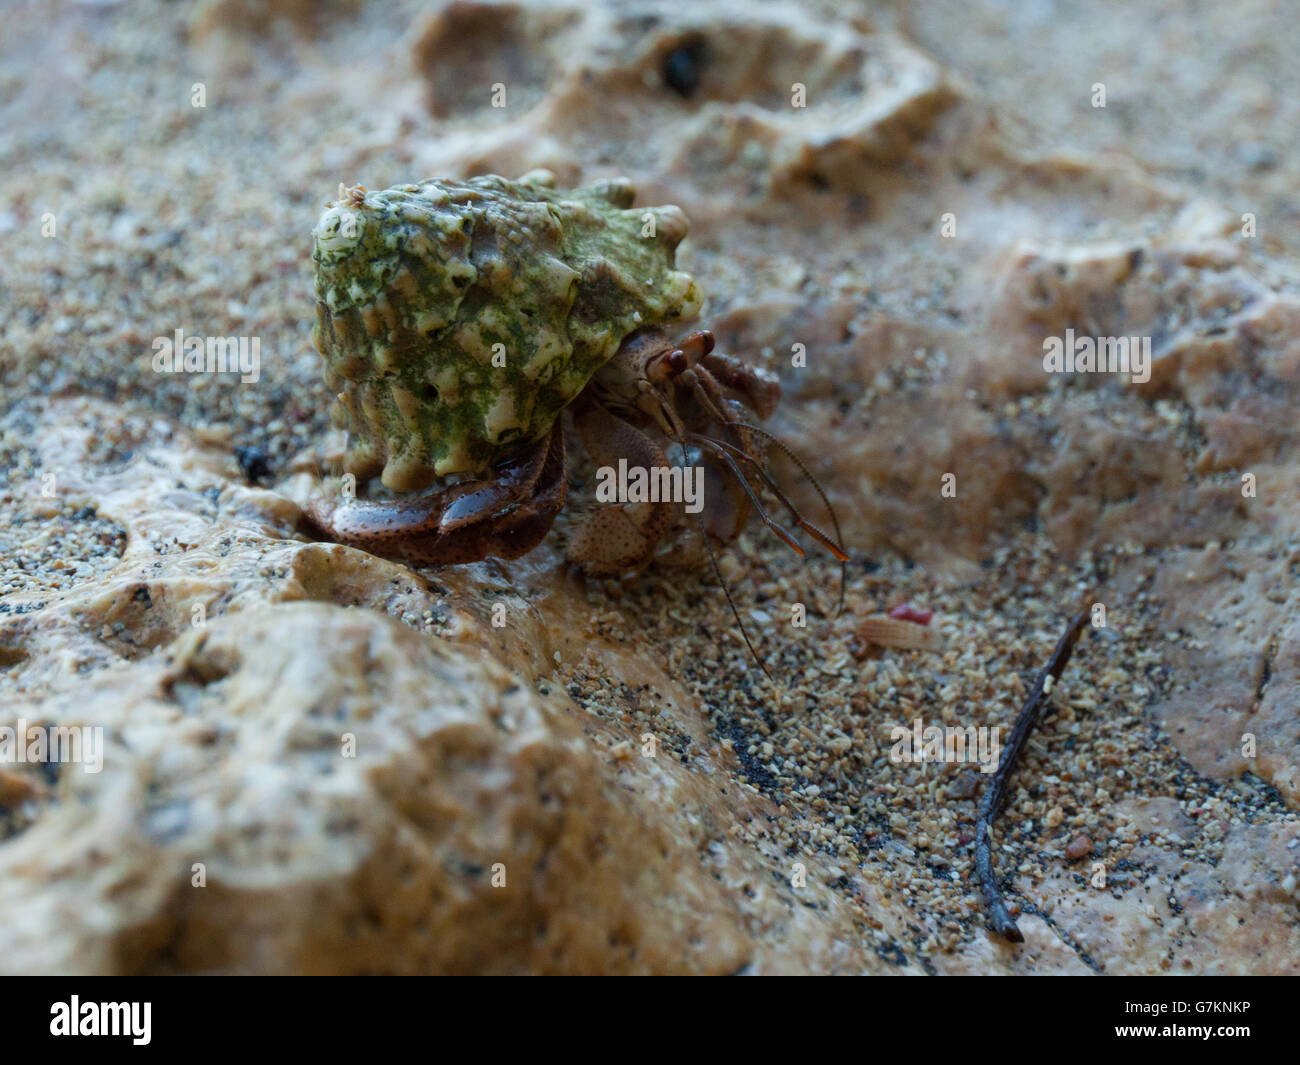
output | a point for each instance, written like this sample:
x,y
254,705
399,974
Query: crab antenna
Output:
x,y
834,546
680,440
802,522
717,570
701,384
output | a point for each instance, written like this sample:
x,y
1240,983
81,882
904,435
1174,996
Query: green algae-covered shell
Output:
x,y
457,319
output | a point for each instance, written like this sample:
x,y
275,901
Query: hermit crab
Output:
x,y
462,322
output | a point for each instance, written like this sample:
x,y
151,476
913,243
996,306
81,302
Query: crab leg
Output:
x,y
618,537
809,527
716,447
504,516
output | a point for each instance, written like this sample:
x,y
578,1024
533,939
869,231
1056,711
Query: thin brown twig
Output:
x,y
1003,923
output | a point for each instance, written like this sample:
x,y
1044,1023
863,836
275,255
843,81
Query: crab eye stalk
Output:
x,y
677,361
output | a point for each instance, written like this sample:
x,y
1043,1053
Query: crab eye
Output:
x,y
677,361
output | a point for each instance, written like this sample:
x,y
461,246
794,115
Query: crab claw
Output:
x,y
505,516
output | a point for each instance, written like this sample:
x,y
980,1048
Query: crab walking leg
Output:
x,y
744,484
463,523
621,536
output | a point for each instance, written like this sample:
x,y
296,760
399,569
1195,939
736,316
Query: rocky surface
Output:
x,y
320,761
